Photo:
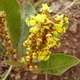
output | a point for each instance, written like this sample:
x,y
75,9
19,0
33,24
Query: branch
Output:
x,y
46,76
7,74
65,8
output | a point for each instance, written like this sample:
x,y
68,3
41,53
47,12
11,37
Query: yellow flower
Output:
x,y
45,8
36,67
31,35
41,57
28,48
32,22
58,44
54,32
66,19
40,18
31,68
59,17
46,27
27,58
34,29
39,41
25,43
46,58
48,21
44,54
22,59
48,35
51,41
27,52
64,29
60,24
59,29
51,44
34,55
32,17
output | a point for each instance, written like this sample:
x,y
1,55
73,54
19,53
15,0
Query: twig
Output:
x,y
65,8
46,76
8,73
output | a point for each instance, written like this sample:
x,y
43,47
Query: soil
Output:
x,y
70,45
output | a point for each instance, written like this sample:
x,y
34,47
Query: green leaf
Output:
x,y
27,10
13,19
14,63
65,25
2,50
57,35
6,74
58,64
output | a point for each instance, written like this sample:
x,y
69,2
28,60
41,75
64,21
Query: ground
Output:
x,y
70,45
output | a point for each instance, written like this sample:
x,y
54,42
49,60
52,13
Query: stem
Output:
x,y
36,5
65,8
8,72
46,76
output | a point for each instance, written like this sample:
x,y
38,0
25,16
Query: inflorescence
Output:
x,y
6,42
44,33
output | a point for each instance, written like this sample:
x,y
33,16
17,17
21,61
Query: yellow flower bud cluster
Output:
x,y
45,33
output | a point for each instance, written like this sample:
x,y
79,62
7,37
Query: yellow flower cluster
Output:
x,y
44,34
